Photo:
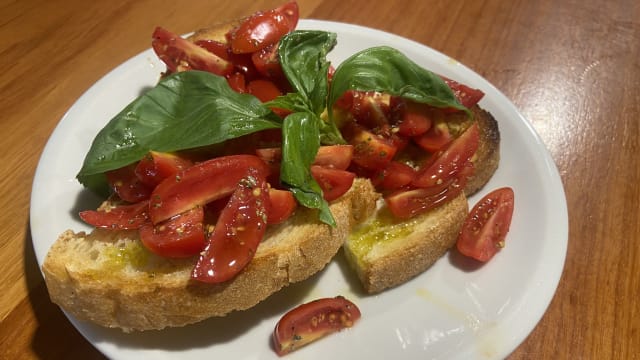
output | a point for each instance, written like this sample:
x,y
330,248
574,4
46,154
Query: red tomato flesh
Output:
x,y
435,139
157,166
237,233
180,54
333,182
264,90
395,176
127,185
200,184
312,321
466,95
485,229
123,217
415,119
370,151
282,205
330,156
451,161
180,236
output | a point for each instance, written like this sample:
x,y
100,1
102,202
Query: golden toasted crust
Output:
x,y
110,279
487,156
386,253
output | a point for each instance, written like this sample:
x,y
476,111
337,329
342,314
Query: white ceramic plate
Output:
x,y
454,310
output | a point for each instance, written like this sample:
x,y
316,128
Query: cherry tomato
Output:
x,y
435,139
312,321
180,236
180,54
334,182
122,217
405,204
263,28
264,90
127,185
395,176
415,119
157,166
370,108
449,163
282,205
485,229
237,233
370,151
267,62
237,82
200,184
466,95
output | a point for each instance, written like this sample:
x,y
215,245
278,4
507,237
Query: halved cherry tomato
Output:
x,y
200,184
237,233
330,156
449,163
312,321
180,54
263,28
264,90
406,204
395,176
267,62
180,236
485,229
127,185
466,95
415,119
435,139
157,166
282,205
122,217
369,108
237,82
334,182
370,151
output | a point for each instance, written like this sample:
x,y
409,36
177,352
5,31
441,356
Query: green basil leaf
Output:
x,y
303,59
301,141
183,111
387,70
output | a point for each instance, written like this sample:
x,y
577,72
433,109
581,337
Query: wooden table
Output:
x,y
571,67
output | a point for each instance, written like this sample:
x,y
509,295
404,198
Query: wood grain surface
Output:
x,y
571,67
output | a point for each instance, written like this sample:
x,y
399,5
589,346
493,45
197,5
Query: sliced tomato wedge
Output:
x,y
312,321
180,236
127,185
180,54
263,28
237,233
405,204
485,229
395,176
264,90
267,62
282,205
122,217
157,166
466,95
333,182
237,82
435,139
449,163
415,119
370,151
204,182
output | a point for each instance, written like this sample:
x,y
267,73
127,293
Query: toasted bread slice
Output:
x,y
386,253
111,279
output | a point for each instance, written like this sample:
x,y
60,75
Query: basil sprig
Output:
x,y
185,110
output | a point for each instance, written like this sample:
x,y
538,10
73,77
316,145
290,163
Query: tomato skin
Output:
x,y
157,166
395,176
282,205
449,163
263,28
200,184
435,139
123,217
127,185
238,231
334,182
370,151
264,90
180,54
415,119
181,236
312,321
267,62
466,95
237,82
486,227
